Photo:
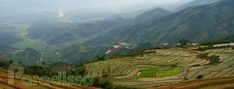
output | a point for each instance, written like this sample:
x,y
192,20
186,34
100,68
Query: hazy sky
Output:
x,y
84,4
27,6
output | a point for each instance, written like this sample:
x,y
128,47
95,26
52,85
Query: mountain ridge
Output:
x,y
198,24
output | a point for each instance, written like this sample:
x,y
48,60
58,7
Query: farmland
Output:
x,y
164,66
19,83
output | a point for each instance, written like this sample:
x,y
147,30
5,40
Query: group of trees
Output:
x,y
5,64
39,70
184,42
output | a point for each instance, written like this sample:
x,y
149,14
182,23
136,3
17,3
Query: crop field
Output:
x,y
164,66
18,83
218,83
160,73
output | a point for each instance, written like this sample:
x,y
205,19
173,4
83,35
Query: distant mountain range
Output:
x,y
197,3
198,24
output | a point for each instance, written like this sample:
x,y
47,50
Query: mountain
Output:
x,y
198,24
154,13
69,32
229,38
6,48
8,38
75,54
111,37
196,3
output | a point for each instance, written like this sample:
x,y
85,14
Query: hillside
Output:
x,y
196,3
154,13
70,32
158,67
223,83
198,24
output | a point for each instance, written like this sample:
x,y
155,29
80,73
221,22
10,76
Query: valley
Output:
x,y
174,44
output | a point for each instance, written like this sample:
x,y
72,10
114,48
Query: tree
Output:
x,y
101,58
80,71
144,46
214,59
183,42
102,83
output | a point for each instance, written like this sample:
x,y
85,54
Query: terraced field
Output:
x,y
219,83
164,66
34,84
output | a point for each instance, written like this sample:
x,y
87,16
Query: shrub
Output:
x,y
102,83
39,70
121,87
101,58
213,59
3,64
78,70
183,42
205,48
203,56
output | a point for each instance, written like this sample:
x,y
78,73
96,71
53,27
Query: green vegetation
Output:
x,y
148,73
188,24
39,70
102,83
170,72
5,65
160,73
183,42
78,71
105,83
121,87
213,59
101,58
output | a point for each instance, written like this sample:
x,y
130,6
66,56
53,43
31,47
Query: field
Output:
x,y
160,73
18,83
219,83
159,67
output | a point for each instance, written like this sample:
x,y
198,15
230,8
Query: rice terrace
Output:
x,y
165,66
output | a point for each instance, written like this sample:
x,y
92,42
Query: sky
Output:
x,y
90,4
16,7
